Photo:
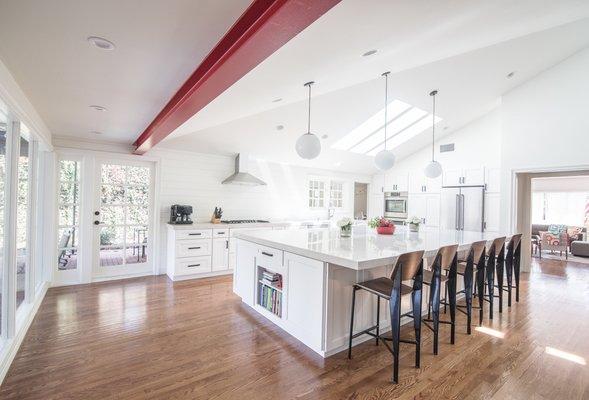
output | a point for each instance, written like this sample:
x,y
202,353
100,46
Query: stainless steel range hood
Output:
x,y
241,175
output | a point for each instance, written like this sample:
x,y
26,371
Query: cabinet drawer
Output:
x,y
269,257
193,234
193,248
193,265
220,233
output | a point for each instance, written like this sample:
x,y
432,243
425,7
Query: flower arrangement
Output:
x,y
413,223
382,225
345,226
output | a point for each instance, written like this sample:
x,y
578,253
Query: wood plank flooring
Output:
x,y
149,338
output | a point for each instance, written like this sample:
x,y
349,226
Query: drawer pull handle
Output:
x,y
220,233
268,254
193,265
194,234
194,248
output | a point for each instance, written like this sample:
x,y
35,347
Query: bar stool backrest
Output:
x,y
447,255
478,249
497,246
410,264
514,243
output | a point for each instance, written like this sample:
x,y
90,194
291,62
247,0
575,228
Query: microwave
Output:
x,y
395,205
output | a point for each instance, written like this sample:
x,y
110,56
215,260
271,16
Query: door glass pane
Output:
x,y
125,205
3,122
22,221
68,214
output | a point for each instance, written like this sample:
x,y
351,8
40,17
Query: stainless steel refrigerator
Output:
x,y
463,208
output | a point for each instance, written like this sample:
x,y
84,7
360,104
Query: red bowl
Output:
x,y
385,230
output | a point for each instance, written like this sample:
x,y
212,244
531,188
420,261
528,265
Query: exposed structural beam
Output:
x,y
261,30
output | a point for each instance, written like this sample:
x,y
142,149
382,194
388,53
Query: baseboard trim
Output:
x,y
200,276
12,345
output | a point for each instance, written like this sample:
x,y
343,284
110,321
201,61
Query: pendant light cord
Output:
x,y
433,94
309,109
386,103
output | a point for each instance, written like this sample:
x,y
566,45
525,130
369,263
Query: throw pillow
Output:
x,y
556,229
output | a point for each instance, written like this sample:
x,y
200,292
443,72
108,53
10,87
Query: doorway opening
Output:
x,y
552,210
360,200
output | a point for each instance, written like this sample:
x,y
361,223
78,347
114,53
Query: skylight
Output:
x,y
404,123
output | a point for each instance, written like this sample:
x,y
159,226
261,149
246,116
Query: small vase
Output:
x,y
345,231
413,227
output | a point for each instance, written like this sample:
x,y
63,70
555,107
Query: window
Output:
x,y
68,204
326,193
125,204
336,194
566,208
22,221
316,194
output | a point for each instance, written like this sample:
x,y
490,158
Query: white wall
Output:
x,y
476,144
545,125
195,179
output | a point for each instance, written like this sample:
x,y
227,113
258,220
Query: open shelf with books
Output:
x,y
270,291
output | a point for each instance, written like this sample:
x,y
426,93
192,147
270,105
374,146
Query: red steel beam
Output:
x,y
262,29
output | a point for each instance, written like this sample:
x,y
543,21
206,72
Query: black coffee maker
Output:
x,y
180,214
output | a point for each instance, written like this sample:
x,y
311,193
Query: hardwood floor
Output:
x,y
149,338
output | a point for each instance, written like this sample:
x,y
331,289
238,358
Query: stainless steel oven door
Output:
x,y
395,207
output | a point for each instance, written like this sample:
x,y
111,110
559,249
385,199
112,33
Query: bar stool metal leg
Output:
x,y
352,321
499,266
377,319
491,284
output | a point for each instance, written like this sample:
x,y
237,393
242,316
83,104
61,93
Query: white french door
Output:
x,y
122,220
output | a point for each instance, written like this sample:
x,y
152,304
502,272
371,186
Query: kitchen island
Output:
x,y
301,280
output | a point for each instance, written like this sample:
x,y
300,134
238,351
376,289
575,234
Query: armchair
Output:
x,y
553,242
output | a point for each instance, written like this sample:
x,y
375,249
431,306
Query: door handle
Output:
x,y
194,234
457,213
193,265
268,254
98,223
194,248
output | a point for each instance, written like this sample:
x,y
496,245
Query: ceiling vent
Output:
x,y
445,148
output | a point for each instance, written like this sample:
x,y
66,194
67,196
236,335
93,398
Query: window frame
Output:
x,y
328,193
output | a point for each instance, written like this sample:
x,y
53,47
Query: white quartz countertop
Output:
x,y
365,249
210,225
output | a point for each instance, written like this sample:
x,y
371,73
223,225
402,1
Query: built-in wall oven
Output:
x,y
395,205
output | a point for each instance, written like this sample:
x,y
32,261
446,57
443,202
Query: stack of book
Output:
x,y
271,300
272,279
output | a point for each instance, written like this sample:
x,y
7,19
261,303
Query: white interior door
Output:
x,y
122,218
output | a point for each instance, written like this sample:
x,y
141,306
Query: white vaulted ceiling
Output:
x,y
158,45
463,48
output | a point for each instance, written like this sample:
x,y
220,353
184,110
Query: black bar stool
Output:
x,y
474,263
445,259
494,267
512,260
409,266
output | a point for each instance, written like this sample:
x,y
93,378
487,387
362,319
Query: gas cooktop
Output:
x,y
245,221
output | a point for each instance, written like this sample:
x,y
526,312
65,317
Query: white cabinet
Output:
x,y
492,215
188,252
396,181
305,299
244,281
376,205
220,257
377,185
426,207
419,183
464,176
493,180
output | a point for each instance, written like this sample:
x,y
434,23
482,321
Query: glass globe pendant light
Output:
x,y
385,159
433,169
308,145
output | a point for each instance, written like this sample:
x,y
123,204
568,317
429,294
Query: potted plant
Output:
x,y
414,223
382,225
345,226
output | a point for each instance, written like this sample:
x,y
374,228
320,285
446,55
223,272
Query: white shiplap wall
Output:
x,y
195,179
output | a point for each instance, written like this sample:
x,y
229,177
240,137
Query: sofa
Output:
x,y
542,239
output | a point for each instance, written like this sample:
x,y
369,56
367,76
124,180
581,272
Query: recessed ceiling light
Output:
x,y
96,132
98,108
279,127
369,53
324,136
277,100
101,43
510,75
